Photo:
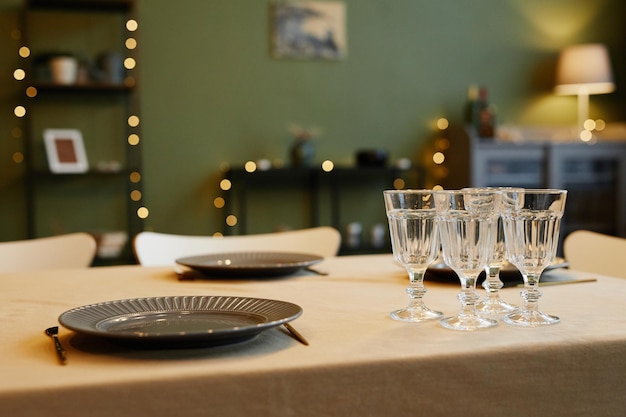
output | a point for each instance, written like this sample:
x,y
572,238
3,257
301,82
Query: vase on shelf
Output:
x,y
302,152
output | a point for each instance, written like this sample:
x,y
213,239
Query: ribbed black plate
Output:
x,y
180,321
509,274
250,264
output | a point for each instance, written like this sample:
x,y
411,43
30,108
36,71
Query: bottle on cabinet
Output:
x,y
479,113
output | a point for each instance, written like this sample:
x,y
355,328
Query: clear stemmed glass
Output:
x,y
415,243
532,220
466,224
492,303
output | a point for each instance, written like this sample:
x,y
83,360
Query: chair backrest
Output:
x,y
156,249
73,250
595,252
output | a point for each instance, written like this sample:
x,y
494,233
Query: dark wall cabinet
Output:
x,y
80,61
594,175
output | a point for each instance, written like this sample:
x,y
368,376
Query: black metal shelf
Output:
x,y
81,5
104,94
88,88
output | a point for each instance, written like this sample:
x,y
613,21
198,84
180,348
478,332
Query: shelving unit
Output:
x,y
266,200
108,198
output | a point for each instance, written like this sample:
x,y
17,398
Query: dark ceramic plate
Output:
x,y
180,321
250,264
509,275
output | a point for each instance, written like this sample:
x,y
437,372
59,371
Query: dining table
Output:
x,y
358,361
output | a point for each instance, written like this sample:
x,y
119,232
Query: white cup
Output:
x,y
377,235
353,232
64,70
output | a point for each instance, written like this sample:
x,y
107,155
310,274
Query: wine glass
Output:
x,y
466,223
492,303
415,244
532,220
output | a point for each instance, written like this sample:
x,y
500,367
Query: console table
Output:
x,y
298,197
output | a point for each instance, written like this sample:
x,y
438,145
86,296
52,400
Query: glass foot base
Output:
x,y
491,306
529,318
415,314
467,323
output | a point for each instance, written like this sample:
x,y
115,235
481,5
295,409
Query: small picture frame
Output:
x,y
66,151
309,30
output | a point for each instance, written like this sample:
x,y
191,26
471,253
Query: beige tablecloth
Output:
x,y
359,362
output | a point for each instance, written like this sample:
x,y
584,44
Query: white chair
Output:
x,y
158,249
595,252
73,250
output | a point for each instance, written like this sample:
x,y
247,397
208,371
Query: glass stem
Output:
x,y
531,293
416,289
468,296
492,283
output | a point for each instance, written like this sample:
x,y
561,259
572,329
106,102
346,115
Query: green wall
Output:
x,y
211,93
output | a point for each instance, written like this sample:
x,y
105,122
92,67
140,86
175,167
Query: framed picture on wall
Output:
x,y
66,151
314,30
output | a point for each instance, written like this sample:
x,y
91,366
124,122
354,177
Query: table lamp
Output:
x,y
583,70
